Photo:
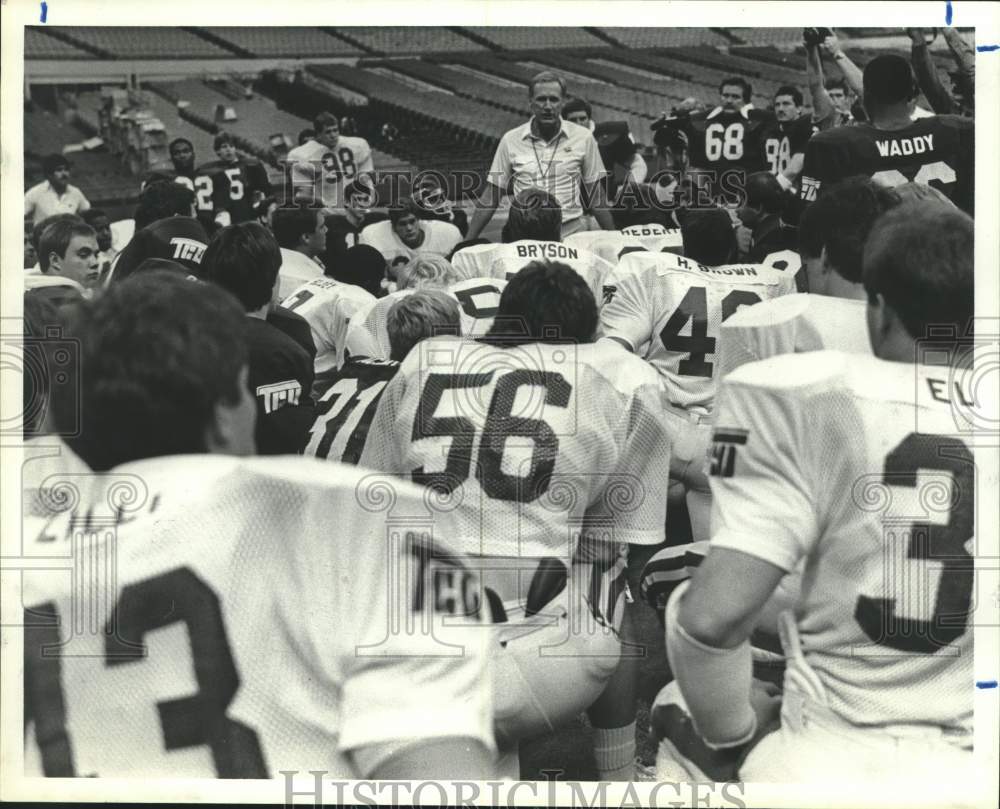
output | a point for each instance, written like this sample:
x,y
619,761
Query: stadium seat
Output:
x,y
664,37
128,42
522,38
39,44
292,42
777,37
390,41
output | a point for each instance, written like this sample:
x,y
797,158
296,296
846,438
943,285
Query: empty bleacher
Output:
x,y
524,38
459,83
128,42
664,37
178,127
97,173
38,44
698,81
299,43
399,40
780,37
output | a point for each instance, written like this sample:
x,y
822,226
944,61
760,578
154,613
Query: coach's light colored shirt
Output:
x,y
42,201
557,166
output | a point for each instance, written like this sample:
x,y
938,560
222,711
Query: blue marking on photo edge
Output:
x,y
947,12
987,48
986,683
45,11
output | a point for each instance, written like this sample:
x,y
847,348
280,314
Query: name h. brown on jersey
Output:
x,y
725,269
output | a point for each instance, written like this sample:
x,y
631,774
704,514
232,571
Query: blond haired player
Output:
x,y
667,309
229,617
559,445
320,169
832,459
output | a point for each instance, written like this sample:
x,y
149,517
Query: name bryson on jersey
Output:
x,y
546,250
904,147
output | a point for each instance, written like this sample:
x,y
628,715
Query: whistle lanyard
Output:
x,y
544,175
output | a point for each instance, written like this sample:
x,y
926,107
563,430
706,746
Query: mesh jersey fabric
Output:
x,y
669,309
508,259
478,299
346,407
328,170
611,245
367,335
440,239
850,463
503,261
249,614
545,441
792,324
328,306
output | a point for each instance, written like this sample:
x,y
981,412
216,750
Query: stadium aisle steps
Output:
x,y
209,36
68,35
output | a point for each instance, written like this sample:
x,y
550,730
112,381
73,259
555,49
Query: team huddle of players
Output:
x,y
443,575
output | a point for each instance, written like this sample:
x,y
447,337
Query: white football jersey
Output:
x,y
790,263
296,269
479,299
854,464
474,261
236,623
327,170
793,324
508,259
51,476
440,239
328,306
611,245
544,441
669,308
367,335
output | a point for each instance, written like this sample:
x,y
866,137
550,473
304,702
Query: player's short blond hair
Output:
x,y
425,313
427,271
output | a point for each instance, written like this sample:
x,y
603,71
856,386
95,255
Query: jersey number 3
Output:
x,y
942,543
178,596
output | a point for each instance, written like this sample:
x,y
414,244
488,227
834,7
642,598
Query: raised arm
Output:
x,y
927,76
965,58
852,73
823,109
